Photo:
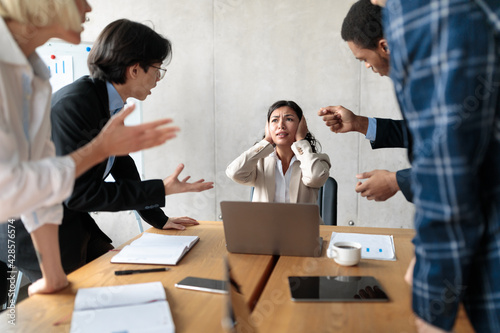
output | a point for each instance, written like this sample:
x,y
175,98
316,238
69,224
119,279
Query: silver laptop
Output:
x,y
272,228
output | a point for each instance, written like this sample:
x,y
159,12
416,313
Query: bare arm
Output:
x,y
46,243
114,139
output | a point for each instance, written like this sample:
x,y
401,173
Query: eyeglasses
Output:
x,y
160,72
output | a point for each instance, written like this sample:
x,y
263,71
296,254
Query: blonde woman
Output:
x,y
33,182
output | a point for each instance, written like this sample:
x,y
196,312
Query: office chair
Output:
x,y
327,201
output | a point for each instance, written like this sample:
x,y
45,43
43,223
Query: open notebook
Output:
x,y
129,308
155,249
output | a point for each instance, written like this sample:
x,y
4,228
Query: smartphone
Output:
x,y
201,284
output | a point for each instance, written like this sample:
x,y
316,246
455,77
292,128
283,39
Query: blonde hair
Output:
x,y
41,13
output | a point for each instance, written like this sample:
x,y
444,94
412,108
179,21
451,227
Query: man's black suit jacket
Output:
x,y
79,112
394,134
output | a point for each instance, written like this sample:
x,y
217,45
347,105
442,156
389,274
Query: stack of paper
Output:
x,y
156,249
374,246
129,308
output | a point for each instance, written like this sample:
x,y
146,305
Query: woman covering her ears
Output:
x,y
285,165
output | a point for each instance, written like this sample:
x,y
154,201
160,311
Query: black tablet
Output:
x,y
336,289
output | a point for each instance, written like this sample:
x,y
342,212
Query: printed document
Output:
x,y
379,247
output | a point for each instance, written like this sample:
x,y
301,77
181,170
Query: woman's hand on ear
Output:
x,y
301,130
268,136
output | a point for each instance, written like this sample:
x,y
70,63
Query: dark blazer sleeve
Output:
x,y
390,134
403,178
125,170
78,114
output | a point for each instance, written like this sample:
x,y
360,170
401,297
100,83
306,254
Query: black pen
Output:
x,y
137,271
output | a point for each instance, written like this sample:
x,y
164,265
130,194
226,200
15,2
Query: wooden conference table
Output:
x,y
263,280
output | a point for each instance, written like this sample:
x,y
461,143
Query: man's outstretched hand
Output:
x,y
174,185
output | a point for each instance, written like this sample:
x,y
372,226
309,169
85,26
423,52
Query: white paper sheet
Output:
x,y
379,247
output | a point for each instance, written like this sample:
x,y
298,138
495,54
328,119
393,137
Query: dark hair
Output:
x,y
315,145
363,25
124,43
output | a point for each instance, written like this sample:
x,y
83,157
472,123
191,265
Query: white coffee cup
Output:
x,y
345,253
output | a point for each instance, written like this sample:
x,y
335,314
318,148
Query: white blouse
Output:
x,y
282,181
33,182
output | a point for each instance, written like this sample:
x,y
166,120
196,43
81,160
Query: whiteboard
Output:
x,y
67,63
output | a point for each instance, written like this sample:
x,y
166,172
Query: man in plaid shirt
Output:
x,y
445,64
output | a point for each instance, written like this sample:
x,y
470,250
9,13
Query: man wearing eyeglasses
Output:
x,y
125,61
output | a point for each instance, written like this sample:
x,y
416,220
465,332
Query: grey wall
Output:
x,y
232,60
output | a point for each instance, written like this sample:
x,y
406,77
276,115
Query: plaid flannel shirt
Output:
x,y
445,64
